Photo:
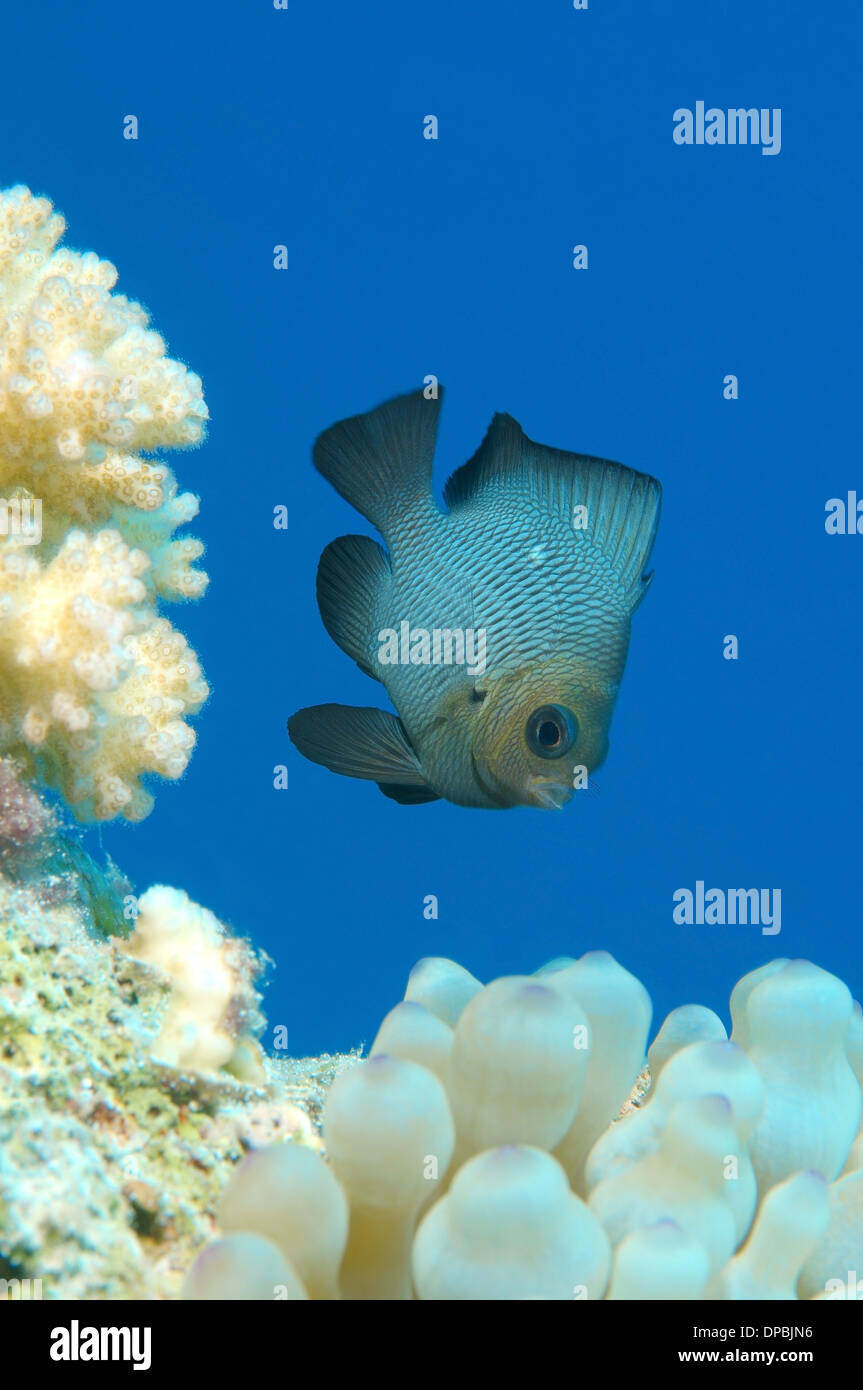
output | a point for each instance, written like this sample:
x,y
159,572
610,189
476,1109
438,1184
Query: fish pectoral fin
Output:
x,y
353,574
381,462
407,796
357,742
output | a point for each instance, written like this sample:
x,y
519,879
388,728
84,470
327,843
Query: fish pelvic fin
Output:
x,y
408,796
381,462
357,742
352,575
622,505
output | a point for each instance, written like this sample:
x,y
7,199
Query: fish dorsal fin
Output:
x,y
622,505
499,455
356,742
353,573
381,462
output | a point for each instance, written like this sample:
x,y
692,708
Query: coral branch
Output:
x,y
94,684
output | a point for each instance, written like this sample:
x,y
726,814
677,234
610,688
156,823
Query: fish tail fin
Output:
x,y
624,508
352,574
381,462
622,505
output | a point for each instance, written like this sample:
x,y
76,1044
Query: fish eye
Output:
x,y
551,731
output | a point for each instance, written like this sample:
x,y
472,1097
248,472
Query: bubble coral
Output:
x,y
510,1228
94,684
473,1156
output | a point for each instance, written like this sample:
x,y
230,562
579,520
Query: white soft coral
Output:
x,y
94,684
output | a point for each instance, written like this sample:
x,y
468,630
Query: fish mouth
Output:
x,y
542,792
547,794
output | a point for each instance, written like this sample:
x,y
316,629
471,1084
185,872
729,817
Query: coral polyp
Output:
x,y
477,1164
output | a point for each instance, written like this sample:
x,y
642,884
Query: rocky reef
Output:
x,y
112,1158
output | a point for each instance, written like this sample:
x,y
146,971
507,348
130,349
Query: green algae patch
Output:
x,y
101,887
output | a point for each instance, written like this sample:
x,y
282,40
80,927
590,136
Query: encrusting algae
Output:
x,y
112,1158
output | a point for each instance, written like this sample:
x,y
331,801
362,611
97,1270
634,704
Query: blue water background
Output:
x,y
408,257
